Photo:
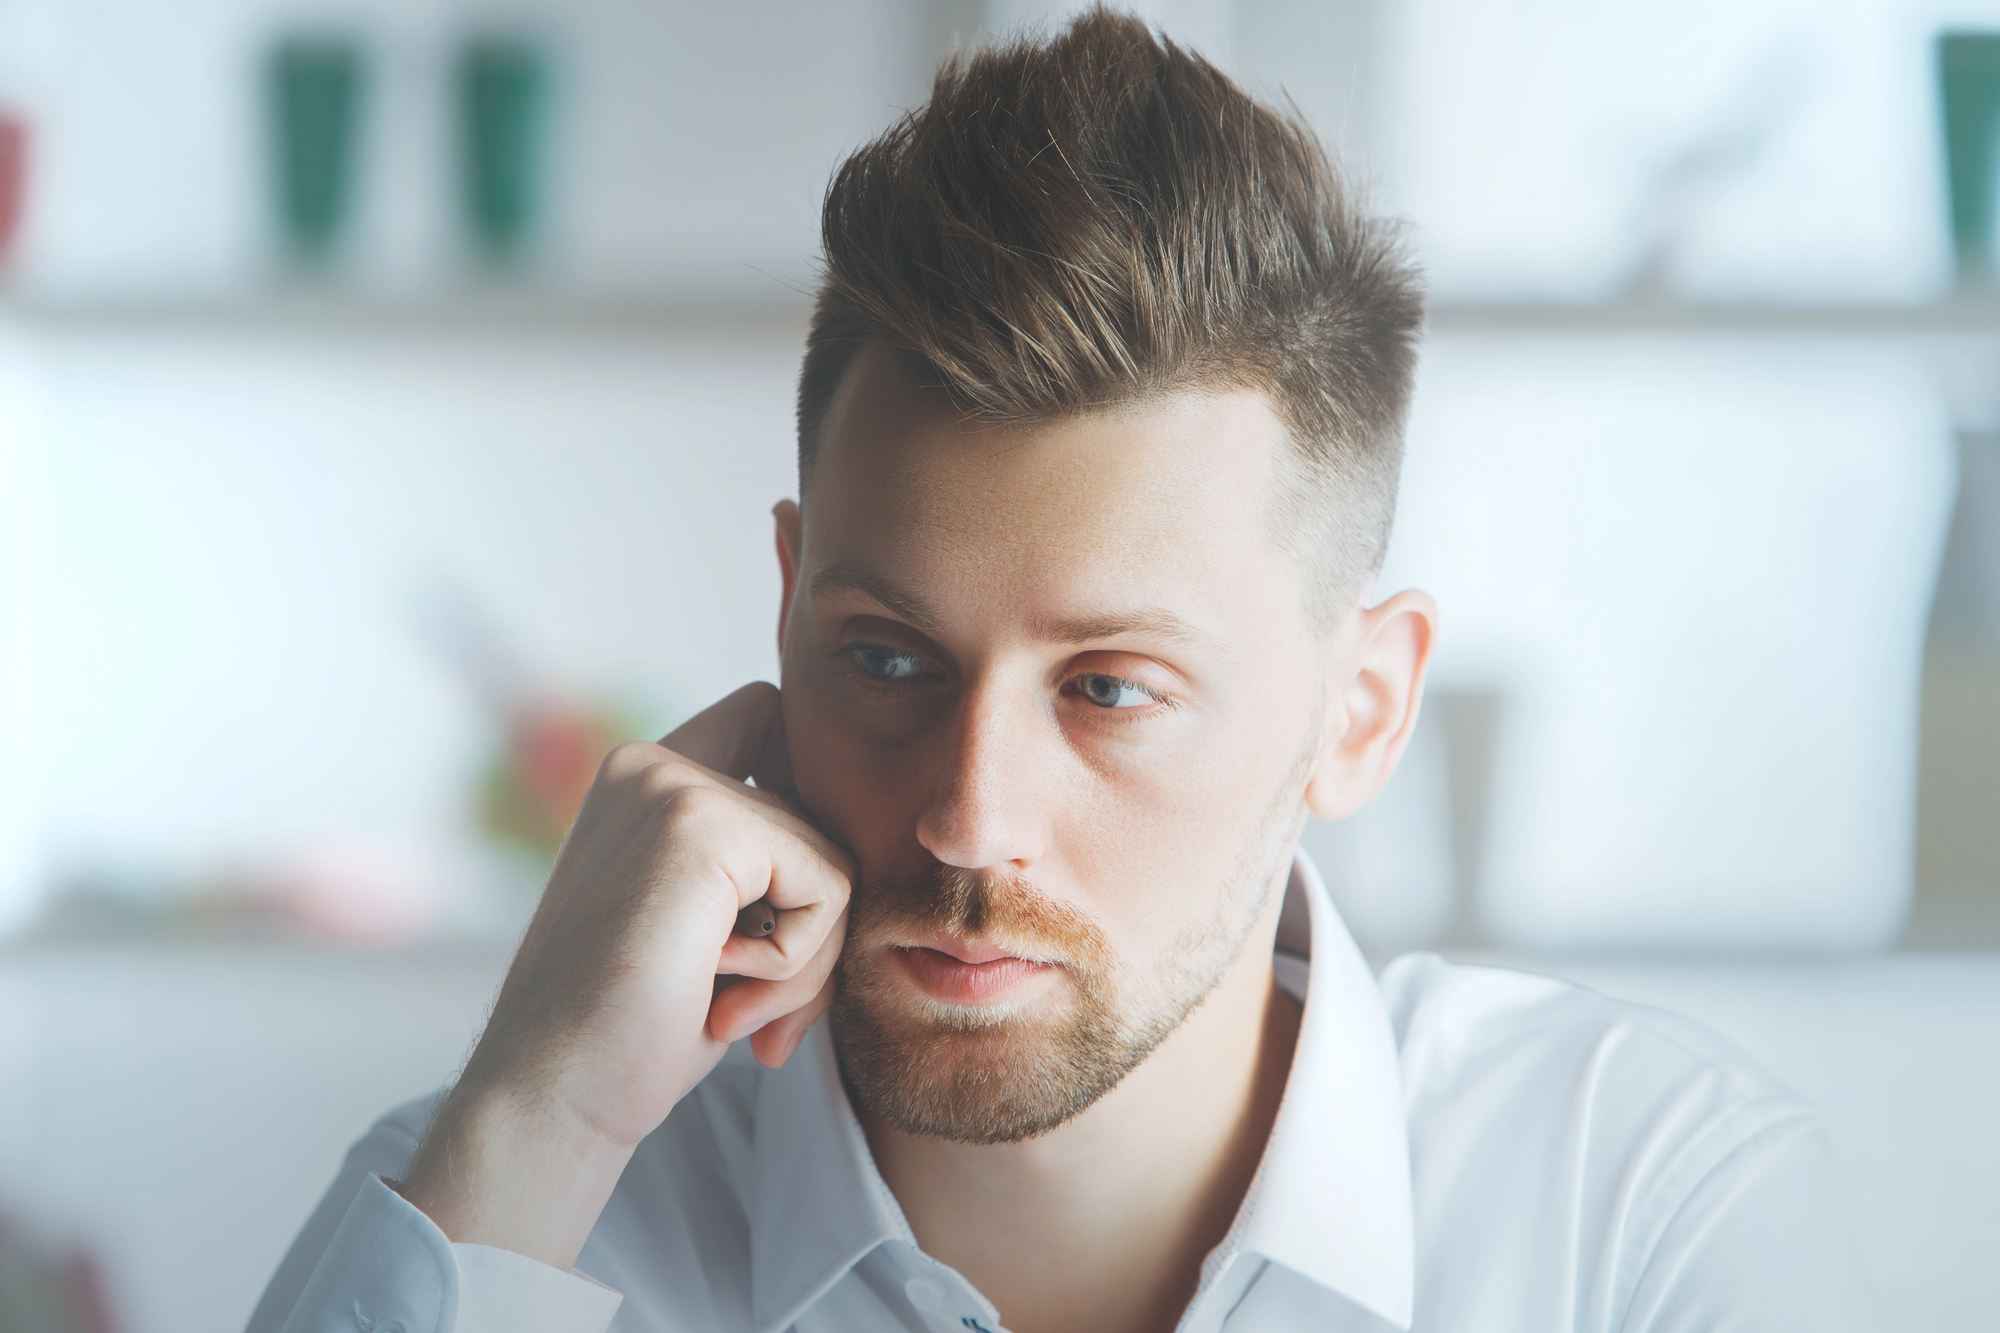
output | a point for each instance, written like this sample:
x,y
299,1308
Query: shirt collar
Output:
x,y
1332,1198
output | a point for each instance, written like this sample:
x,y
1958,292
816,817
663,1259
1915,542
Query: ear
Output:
x,y
789,525
1376,688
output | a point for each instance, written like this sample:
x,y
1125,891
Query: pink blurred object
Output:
x,y
47,1287
13,176
354,893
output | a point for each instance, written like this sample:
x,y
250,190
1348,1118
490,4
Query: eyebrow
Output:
x,y
840,577
1146,622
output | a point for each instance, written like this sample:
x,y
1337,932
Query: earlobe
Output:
x,y
789,527
1377,690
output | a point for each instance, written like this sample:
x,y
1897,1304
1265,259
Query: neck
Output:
x,y
1103,1223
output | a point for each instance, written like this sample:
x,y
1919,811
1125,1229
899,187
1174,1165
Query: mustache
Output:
x,y
1004,908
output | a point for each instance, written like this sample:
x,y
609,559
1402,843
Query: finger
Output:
x,y
749,1005
732,735
757,920
774,1043
810,903
770,858
773,851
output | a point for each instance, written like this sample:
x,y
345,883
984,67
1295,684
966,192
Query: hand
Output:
x,y
612,1010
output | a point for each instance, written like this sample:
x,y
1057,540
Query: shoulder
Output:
x,y
1460,1026
1650,1173
1596,1122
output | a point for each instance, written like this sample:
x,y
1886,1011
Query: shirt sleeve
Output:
x,y
1761,1244
368,1261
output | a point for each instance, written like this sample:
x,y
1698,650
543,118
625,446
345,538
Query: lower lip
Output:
x,y
945,978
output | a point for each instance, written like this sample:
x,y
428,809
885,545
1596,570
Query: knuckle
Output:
x,y
667,778
685,807
630,756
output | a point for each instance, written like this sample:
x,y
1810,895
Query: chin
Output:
x,y
978,1073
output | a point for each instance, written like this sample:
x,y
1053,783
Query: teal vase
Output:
x,y
315,88
503,94
1969,84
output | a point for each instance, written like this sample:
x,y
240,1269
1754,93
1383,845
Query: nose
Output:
x,y
981,811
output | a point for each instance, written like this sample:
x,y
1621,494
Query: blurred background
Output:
x,y
392,397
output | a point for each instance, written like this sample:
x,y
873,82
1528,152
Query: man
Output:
x,y
1099,428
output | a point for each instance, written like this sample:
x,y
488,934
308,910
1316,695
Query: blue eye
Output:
x,y
1114,692
881,662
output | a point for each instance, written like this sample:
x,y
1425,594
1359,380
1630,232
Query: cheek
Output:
x,y
1159,838
846,782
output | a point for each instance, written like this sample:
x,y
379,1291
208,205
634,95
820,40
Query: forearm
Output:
x,y
500,1170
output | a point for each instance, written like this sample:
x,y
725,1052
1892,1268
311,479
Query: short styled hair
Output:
x,y
1104,217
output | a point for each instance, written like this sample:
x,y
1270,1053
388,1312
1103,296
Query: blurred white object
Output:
x,y
20,495
1697,572
1722,150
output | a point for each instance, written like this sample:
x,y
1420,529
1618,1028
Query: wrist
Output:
x,y
514,1173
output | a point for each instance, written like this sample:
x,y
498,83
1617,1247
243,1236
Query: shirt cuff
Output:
x,y
504,1291
389,1269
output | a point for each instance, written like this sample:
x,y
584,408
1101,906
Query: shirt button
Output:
x,y
925,1294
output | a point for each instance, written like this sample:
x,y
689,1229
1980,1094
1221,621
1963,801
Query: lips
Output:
x,y
958,973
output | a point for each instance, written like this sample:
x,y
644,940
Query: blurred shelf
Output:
x,y
476,952
499,311
530,309
1978,316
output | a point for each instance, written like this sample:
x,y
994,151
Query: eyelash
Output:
x,y
887,687
876,686
1142,687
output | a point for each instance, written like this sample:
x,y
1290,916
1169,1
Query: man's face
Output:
x,y
1057,691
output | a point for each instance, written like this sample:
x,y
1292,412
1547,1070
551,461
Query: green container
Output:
x,y
1969,85
503,94
314,85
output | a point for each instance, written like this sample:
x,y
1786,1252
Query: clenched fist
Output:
x,y
631,981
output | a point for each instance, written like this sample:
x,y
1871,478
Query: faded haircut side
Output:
x,y
1104,217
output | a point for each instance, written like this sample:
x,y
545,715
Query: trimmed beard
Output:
x,y
983,1074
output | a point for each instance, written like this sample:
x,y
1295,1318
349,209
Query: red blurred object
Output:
x,y
13,176
88,1306
49,1286
553,750
556,752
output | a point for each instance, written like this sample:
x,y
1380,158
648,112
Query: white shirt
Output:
x,y
1459,1148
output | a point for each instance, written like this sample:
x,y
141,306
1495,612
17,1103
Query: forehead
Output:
x,y
1171,496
